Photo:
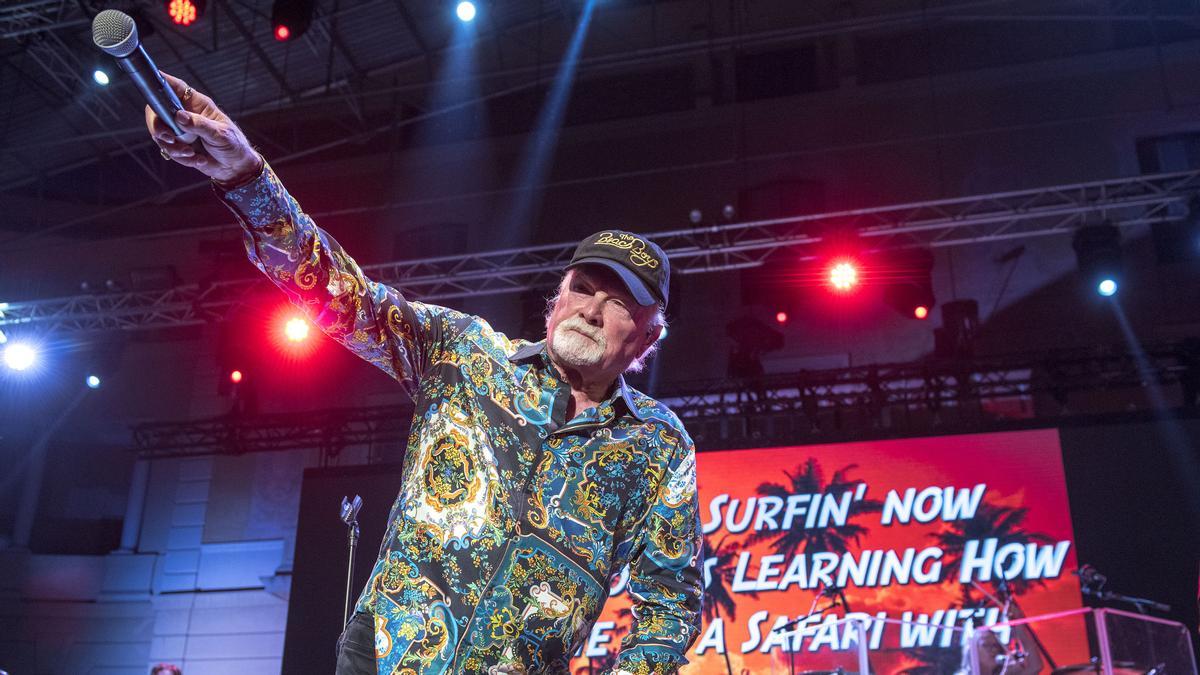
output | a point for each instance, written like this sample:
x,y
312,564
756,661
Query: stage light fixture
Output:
x,y
19,356
843,276
93,381
908,285
466,11
235,376
185,12
781,318
296,330
291,18
100,77
960,326
1098,252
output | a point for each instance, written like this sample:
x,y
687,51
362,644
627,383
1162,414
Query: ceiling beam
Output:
x,y
417,36
1055,210
39,51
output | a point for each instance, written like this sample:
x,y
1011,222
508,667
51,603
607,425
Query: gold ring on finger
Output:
x,y
163,152
187,93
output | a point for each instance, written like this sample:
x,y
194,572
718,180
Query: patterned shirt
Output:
x,y
511,521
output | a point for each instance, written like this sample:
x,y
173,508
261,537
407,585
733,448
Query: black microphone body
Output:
x,y
154,88
115,33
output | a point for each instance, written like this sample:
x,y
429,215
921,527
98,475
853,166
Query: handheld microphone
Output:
x,y
115,33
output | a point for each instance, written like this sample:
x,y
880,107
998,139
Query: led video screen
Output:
x,y
918,538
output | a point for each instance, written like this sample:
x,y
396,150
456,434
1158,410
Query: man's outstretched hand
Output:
x,y
227,156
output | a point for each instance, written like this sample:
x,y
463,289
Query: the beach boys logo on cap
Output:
x,y
640,263
638,255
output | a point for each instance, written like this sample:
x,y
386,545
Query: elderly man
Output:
x,y
533,474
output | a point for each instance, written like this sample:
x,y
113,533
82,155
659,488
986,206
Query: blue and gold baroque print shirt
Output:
x,y
511,521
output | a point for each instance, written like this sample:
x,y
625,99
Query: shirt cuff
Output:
x,y
259,201
220,187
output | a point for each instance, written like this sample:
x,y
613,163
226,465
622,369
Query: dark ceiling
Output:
x,y
362,72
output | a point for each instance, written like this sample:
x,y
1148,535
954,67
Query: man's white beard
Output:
x,y
576,350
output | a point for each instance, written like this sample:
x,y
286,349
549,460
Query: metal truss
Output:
x,y
948,222
936,385
29,17
925,397
330,431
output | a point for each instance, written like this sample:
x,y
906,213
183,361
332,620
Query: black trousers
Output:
x,y
356,646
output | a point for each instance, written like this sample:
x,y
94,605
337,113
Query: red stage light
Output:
x,y
291,18
921,312
291,334
781,317
184,12
843,276
235,376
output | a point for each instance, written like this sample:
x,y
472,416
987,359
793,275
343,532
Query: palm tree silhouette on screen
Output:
x,y
717,593
991,521
809,478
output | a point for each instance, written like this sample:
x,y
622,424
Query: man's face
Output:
x,y
596,327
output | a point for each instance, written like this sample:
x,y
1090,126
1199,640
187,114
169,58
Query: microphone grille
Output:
x,y
115,33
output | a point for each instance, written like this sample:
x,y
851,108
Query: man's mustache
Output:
x,y
581,326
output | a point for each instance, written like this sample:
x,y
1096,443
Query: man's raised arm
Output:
x,y
371,319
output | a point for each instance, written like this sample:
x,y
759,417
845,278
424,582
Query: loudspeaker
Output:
x,y
318,590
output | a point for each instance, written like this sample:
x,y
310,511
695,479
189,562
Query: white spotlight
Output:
x,y
19,356
466,11
93,382
296,330
100,77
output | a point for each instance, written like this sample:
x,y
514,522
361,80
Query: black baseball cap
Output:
x,y
639,262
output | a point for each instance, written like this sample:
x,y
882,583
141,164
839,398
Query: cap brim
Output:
x,y
636,286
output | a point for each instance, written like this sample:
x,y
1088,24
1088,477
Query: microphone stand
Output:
x,y
1140,604
1011,600
834,595
349,516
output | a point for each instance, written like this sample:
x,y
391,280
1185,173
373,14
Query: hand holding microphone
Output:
x,y
176,114
227,156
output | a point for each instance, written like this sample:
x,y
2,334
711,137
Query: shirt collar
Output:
x,y
530,350
622,391
627,396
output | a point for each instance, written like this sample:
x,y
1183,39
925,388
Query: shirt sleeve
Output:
x,y
373,320
664,576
